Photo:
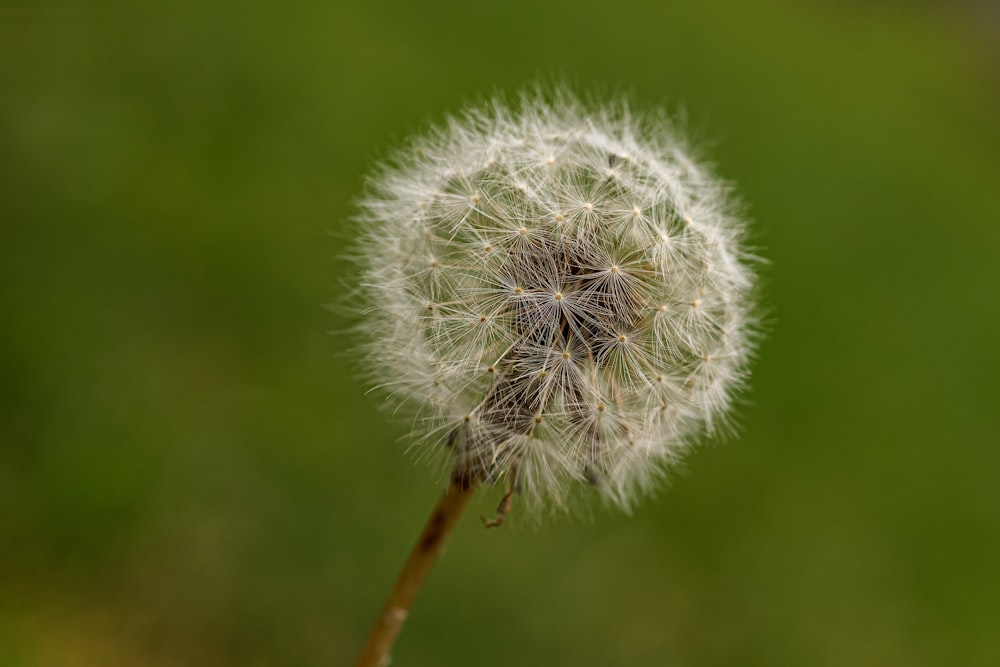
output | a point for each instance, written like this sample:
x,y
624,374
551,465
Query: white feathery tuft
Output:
x,y
562,294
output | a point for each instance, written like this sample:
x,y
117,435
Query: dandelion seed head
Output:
x,y
559,290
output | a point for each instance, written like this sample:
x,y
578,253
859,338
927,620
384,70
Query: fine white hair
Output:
x,y
559,291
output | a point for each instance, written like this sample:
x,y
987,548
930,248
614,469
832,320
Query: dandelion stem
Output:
x,y
383,635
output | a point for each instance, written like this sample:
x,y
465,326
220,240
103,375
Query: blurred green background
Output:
x,y
189,474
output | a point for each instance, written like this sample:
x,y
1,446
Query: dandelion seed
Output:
x,y
577,295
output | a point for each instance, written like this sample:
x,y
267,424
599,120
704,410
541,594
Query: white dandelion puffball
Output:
x,y
561,293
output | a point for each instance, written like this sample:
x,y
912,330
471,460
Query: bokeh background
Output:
x,y
190,475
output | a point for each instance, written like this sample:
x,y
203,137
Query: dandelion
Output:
x,y
562,295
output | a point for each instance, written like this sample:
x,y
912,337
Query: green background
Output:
x,y
190,475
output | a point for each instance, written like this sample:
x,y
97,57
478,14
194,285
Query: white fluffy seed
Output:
x,y
566,396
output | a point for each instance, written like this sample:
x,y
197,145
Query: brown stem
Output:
x,y
425,552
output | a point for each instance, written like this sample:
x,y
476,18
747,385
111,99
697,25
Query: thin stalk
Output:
x,y
390,621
